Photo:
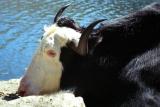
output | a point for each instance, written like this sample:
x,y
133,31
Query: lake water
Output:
x,y
22,21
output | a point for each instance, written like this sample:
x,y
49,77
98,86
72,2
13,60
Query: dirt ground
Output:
x,y
9,98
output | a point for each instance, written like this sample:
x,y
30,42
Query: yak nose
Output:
x,y
23,88
21,93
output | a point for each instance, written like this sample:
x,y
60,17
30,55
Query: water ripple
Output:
x,y
22,23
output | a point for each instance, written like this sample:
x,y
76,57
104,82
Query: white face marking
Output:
x,y
44,73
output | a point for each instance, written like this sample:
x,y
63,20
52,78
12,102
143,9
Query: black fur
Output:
x,y
123,69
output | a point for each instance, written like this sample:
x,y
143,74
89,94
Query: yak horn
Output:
x,y
82,47
59,13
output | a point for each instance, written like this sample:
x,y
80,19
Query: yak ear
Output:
x,y
59,13
82,47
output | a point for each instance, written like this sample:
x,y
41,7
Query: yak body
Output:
x,y
123,68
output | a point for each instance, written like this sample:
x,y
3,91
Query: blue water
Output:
x,y
22,21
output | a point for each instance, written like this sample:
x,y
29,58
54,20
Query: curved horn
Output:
x,y
59,13
82,47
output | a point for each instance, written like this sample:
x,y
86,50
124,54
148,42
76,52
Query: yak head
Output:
x,y
44,72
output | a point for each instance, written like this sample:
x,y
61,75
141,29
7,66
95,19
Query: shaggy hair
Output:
x,y
123,68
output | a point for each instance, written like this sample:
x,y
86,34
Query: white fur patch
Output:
x,y
63,34
44,73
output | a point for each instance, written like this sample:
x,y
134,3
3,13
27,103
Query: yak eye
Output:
x,y
50,38
41,37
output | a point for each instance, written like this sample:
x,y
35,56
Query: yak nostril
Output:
x,y
22,93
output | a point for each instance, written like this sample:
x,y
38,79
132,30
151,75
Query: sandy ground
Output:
x,y
8,98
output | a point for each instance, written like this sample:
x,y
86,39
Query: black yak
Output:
x,y
116,65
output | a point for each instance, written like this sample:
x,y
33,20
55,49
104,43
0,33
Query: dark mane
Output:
x,y
121,70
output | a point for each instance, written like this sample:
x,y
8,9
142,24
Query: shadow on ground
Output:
x,y
10,97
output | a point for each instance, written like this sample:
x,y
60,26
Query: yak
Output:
x,y
115,65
